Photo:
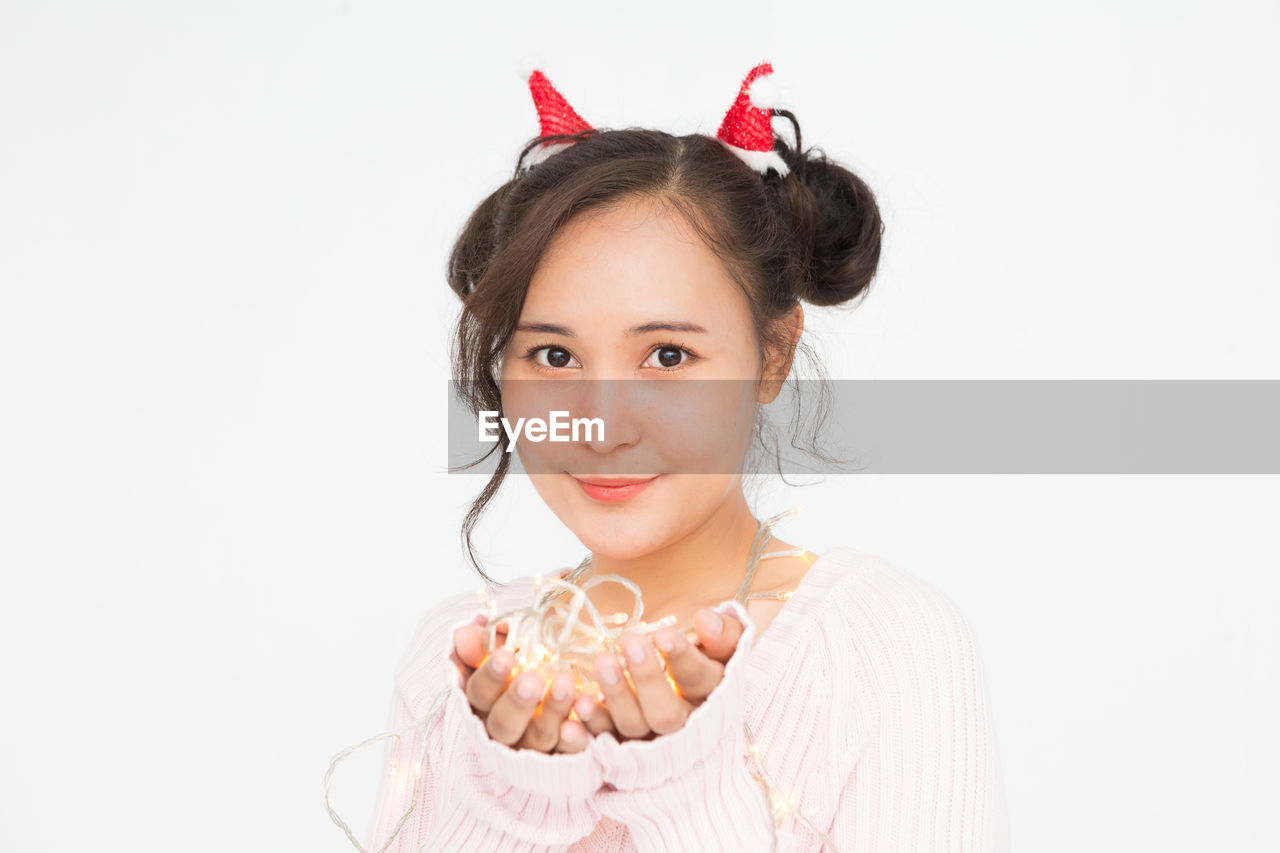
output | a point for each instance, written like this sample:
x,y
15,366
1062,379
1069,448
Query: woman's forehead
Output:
x,y
631,260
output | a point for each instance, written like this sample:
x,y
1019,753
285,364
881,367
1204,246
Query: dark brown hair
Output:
x,y
812,236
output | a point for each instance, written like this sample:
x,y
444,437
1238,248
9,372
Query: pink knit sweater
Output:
x,y
866,696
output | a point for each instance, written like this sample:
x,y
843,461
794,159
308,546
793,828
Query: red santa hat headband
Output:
x,y
747,128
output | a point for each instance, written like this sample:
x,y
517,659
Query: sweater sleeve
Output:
x,y
472,792
928,777
692,789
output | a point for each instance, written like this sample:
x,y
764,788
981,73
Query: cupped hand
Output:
x,y
655,706
520,712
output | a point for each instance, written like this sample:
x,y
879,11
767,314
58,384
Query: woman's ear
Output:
x,y
778,361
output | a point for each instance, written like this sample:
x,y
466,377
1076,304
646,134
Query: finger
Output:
x,y
510,715
573,737
543,732
468,641
718,634
488,682
464,671
695,674
623,707
662,707
593,715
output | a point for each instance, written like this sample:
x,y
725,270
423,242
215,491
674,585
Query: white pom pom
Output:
x,y
529,64
764,93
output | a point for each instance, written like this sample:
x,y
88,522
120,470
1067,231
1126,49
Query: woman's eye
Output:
x,y
667,357
553,357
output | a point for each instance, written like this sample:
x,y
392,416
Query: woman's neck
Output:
x,y
707,565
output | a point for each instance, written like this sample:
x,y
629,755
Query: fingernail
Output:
x,y
608,673
583,707
664,642
715,622
501,661
561,689
526,687
634,647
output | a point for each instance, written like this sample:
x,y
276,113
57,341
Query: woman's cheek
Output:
x,y
706,428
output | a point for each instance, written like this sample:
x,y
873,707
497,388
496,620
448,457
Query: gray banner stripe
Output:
x,y
1218,426
1063,426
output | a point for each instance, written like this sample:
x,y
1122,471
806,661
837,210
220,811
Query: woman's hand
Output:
x,y
655,707
515,712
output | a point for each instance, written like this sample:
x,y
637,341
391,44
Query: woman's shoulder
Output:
x,y
889,638
883,611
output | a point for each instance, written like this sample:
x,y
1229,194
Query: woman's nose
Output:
x,y
613,401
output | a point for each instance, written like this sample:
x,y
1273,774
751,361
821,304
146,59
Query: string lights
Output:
x,y
552,634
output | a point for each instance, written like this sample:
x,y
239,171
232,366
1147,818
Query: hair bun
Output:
x,y
837,227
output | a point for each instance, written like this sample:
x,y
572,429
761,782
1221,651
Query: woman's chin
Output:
x,y
617,544
618,536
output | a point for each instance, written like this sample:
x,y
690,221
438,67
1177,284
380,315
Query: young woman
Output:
x,y
855,691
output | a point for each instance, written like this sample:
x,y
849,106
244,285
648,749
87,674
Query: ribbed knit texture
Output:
x,y
866,696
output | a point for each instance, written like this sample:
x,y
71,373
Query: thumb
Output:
x,y
718,633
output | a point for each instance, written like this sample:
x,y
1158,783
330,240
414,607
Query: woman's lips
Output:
x,y
612,491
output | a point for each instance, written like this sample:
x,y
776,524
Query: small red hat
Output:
x,y
554,113
747,128
554,116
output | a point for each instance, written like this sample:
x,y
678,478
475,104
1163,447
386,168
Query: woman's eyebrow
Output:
x,y
667,326
644,329
545,328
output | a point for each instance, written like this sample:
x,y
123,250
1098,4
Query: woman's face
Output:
x,y
631,319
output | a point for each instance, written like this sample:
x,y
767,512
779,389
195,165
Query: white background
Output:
x,y
223,367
